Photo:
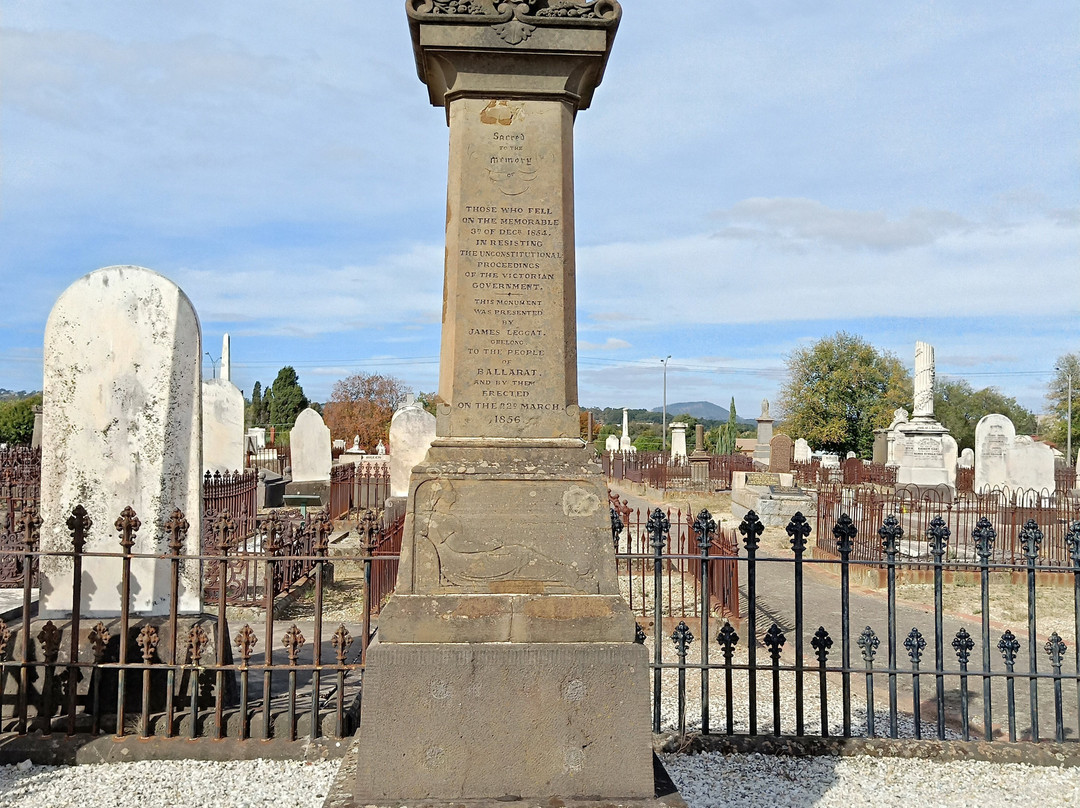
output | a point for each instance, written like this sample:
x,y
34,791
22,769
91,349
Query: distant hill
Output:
x,y
704,410
14,395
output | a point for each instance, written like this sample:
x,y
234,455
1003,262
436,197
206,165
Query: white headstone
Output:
x,y
412,429
1029,464
900,417
678,441
122,425
339,445
830,460
994,434
309,448
850,455
380,448
612,443
223,426
802,451
967,459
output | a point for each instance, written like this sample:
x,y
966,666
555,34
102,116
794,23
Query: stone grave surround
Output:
x,y
121,425
507,638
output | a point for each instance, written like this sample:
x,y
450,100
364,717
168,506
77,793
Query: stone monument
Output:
x,y
121,426
611,444
1004,459
802,451
310,456
412,429
764,434
223,419
678,441
923,450
624,442
781,453
507,649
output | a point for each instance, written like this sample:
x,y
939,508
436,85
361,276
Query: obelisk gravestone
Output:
x,y
507,650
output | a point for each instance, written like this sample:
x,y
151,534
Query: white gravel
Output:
x,y
195,783
753,781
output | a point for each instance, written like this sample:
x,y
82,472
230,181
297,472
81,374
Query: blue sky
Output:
x,y
752,176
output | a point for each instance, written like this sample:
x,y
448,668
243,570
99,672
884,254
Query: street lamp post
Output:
x,y
1068,418
663,423
213,364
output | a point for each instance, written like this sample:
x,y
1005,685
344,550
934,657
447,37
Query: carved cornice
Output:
x,y
542,48
515,22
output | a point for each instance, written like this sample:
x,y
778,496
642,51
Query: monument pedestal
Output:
x,y
507,639
926,456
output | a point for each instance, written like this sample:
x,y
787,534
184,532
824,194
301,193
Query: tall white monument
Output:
x,y
223,419
624,442
923,450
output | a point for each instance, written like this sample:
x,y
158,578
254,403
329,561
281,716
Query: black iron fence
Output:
x,y
236,492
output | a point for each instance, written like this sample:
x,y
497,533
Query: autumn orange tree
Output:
x,y
363,405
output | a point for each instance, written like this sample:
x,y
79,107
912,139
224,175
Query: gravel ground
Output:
x,y
199,784
750,781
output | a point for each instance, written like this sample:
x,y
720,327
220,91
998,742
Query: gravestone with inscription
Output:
x,y
1004,459
506,637
781,453
802,451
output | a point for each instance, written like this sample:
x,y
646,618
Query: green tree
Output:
x,y
958,408
17,420
648,440
722,439
286,399
839,390
1057,397
254,409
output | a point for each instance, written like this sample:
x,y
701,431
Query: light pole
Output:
x,y
213,364
663,423
1068,419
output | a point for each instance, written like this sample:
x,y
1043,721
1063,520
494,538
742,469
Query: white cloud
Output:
x,y
610,344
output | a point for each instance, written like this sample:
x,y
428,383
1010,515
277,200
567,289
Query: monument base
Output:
x,y
505,720
925,455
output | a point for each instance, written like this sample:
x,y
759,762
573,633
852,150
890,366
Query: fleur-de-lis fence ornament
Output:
x,y
271,535
322,527
751,529
293,642
78,525
99,637
868,643
798,529
224,527
1008,645
30,527
197,640
148,641
890,534
728,638
705,528
915,644
938,535
639,634
1031,539
176,528
245,642
821,642
49,637
658,527
616,527
774,640
963,644
5,638
127,525
984,535
1055,648
844,531
341,640
682,637
1072,541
